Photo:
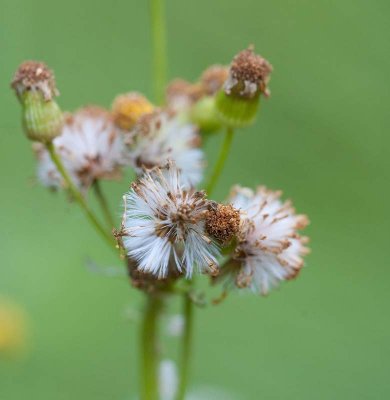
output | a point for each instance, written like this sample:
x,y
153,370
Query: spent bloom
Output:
x,y
163,228
90,147
238,101
161,136
35,87
269,247
249,75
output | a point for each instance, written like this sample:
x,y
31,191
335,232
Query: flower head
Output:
x,y
248,75
128,108
181,94
34,76
269,248
13,328
222,222
162,136
164,225
213,78
239,99
35,88
90,147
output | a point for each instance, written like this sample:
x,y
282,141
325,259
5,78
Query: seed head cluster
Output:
x,y
170,229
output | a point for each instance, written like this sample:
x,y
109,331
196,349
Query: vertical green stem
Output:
x,y
78,196
103,204
224,152
157,14
184,366
149,332
149,351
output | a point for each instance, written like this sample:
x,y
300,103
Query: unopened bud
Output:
x,y
35,88
204,115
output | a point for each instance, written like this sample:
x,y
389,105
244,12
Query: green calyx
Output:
x,y
42,119
204,114
235,111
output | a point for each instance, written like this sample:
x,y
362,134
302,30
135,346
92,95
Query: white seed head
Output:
x,y
164,225
269,248
90,147
162,136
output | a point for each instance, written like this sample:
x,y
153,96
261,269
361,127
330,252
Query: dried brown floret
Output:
x,y
35,75
222,222
249,74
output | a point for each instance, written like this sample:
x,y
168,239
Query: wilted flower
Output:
x,y
248,75
213,78
90,148
164,225
35,87
222,222
181,94
238,101
161,136
269,248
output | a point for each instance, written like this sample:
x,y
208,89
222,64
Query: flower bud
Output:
x,y
128,108
35,88
238,101
204,115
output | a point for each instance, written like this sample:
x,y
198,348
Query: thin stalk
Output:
x,y
224,152
103,204
157,15
149,351
188,311
78,196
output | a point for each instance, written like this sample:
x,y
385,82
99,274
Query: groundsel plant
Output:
x,y
172,230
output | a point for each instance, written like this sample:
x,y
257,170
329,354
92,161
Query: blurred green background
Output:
x,y
323,137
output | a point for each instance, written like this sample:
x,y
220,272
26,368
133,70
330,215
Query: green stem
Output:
x,y
149,351
103,204
159,48
224,152
78,196
188,311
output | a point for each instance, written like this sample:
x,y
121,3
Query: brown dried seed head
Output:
x,y
180,88
252,68
222,222
35,75
213,78
247,65
128,108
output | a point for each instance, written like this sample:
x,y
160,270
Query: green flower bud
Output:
x,y
35,88
237,103
204,115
